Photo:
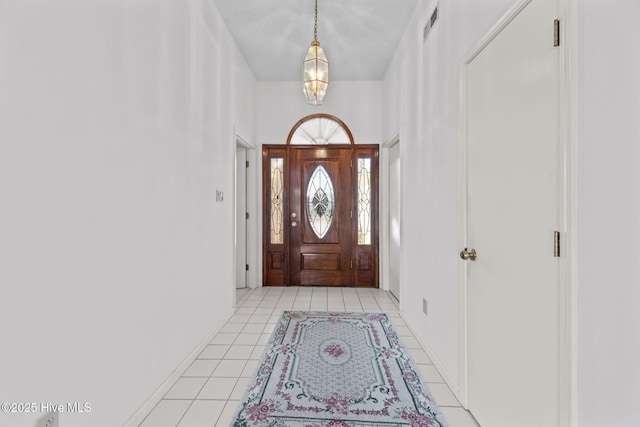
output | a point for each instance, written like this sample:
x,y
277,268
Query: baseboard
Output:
x,y
138,417
453,385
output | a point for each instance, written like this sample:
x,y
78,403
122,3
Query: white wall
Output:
x,y
357,103
421,100
608,213
116,128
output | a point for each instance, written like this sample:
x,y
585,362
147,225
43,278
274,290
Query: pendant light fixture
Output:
x,y
315,68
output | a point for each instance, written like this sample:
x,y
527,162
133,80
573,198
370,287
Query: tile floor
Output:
x,y
209,391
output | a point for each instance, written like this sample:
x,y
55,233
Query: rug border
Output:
x,y
406,352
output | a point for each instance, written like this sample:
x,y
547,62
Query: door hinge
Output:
x,y
556,32
246,267
351,213
352,264
556,244
247,215
247,163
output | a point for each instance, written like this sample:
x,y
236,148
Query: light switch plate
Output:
x,y
219,196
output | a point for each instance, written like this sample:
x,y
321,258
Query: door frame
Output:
x,y
567,293
385,215
241,171
270,151
251,208
384,211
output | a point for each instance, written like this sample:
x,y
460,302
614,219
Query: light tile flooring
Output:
x,y
209,391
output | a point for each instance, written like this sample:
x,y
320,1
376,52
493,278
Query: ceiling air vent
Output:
x,y
430,23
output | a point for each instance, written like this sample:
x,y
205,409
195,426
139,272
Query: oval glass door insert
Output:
x,y
320,202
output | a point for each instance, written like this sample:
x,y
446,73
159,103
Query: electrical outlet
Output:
x,y
50,419
425,306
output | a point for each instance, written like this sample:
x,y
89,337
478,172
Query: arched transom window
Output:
x,y
320,129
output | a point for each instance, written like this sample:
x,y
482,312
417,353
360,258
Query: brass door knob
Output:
x,y
466,254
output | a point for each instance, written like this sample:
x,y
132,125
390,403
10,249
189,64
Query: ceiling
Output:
x,y
359,36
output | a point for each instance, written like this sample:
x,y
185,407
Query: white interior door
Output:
x,y
241,217
513,192
394,220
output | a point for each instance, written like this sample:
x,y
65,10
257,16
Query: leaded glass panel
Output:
x,y
364,201
277,180
320,202
321,131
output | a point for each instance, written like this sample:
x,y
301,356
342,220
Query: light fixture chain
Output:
x,y
315,67
315,26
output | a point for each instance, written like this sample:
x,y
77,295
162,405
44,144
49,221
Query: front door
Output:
x,y
320,215
512,211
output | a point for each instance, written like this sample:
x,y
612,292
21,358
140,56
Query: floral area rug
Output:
x,y
323,369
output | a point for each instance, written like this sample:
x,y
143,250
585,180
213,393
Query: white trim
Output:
x,y
242,141
444,373
138,417
494,31
240,157
462,240
384,194
567,13
392,141
253,256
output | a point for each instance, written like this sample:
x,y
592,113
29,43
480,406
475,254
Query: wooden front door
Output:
x,y
320,217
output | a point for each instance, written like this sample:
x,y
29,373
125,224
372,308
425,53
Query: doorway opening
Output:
x,y
394,218
241,217
244,238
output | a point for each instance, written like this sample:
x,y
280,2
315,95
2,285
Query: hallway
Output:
x,y
119,121
210,390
